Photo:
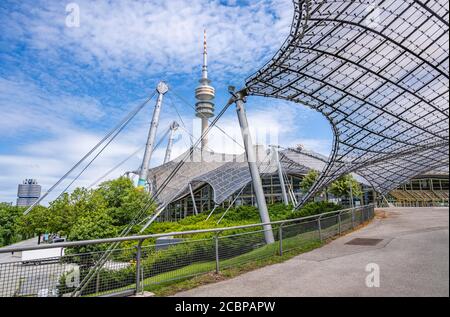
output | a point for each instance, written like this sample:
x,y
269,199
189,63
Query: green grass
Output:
x,y
184,278
169,283
197,274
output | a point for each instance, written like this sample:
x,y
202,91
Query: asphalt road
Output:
x,y
412,258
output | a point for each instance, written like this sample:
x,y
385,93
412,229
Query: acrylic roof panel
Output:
x,y
226,180
299,161
226,174
192,168
301,157
378,71
443,170
392,173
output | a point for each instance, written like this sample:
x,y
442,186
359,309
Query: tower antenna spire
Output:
x,y
204,93
205,57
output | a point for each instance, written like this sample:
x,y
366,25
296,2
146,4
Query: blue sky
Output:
x,y
62,88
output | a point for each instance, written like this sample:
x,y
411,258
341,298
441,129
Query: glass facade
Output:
x,y
421,192
203,196
382,85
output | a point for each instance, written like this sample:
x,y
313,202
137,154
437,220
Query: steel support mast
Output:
x,y
173,127
239,99
280,176
162,88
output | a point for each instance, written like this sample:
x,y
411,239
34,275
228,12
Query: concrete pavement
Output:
x,y
412,257
9,257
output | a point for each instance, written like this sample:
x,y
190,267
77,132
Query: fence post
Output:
x,y
216,238
138,265
97,283
280,239
320,228
339,222
353,218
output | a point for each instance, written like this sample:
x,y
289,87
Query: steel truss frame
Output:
x,y
378,71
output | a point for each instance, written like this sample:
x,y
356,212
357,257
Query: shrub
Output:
x,y
203,248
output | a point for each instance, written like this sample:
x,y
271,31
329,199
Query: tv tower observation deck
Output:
x,y
204,94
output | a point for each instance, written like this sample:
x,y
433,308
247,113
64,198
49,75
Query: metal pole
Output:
x,y
281,177
320,228
351,195
254,172
97,283
280,239
216,238
142,279
138,265
212,211
193,199
291,192
353,218
162,88
158,211
231,204
173,127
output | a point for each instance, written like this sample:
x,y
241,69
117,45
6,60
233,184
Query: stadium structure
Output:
x,y
390,124
376,70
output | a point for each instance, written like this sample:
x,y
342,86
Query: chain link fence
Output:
x,y
127,265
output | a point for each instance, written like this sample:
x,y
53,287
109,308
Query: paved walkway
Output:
x,y
413,258
9,257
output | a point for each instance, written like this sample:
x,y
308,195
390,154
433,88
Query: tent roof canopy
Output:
x,y
378,71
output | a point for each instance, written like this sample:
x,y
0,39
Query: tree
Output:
x,y
117,202
9,216
65,212
308,180
124,201
35,222
341,186
92,225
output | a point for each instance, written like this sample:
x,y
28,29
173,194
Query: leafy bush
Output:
x,y
341,186
308,180
315,208
118,198
9,219
155,262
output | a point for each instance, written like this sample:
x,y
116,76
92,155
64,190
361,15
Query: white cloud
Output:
x,y
158,36
48,159
27,107
45,130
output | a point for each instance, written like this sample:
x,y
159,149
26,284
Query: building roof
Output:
x,y
379,72
226,173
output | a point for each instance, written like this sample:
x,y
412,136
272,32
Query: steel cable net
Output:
x,y
378,71
227,173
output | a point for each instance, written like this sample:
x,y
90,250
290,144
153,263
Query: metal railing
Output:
x,y
405,203
146,262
